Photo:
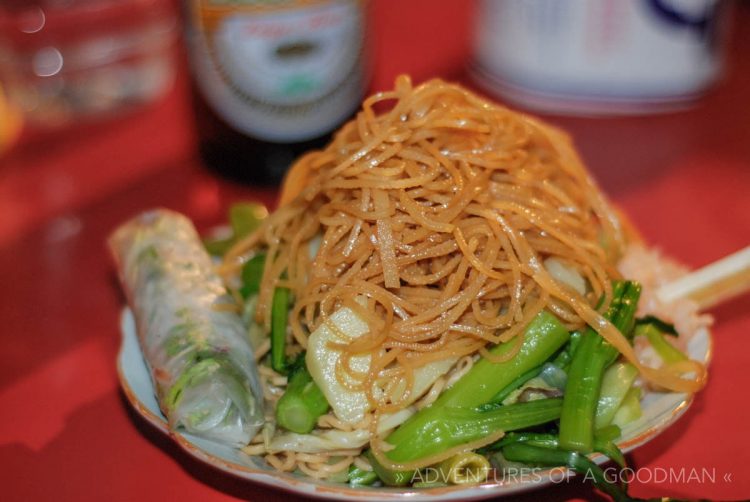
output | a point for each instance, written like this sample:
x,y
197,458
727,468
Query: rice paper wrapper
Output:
x,y
201,361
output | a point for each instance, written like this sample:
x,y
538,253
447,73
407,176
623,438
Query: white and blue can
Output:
x,y
600,56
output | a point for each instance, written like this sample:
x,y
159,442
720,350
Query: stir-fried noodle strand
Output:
x,y
430,215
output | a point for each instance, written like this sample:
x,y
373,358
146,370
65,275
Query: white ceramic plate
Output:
x,y
660,410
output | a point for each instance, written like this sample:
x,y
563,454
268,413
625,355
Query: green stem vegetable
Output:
x,y
608,433
602,444
616,382
515,384
630,409
564,357
457,426
659,324
252,273
668,352
542,338
303,402
361,477
244,218
279,315
387,476
592,356
537,455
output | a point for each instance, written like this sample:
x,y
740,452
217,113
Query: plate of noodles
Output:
x,y
444,306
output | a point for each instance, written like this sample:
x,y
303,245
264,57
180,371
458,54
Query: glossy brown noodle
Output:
x,y
434,218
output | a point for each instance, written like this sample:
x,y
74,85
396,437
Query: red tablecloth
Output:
x,y
66,432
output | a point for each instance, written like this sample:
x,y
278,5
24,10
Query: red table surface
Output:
x,y
66,432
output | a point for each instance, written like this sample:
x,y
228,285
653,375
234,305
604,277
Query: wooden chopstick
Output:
x,y
713,283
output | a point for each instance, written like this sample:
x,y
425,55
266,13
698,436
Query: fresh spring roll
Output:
x,y
201,362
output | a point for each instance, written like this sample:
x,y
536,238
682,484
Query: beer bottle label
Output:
x,y
281,71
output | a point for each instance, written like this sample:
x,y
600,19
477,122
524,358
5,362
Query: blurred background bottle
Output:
x,y
600,57
273,78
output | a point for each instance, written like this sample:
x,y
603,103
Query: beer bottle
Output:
x,y
272,79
